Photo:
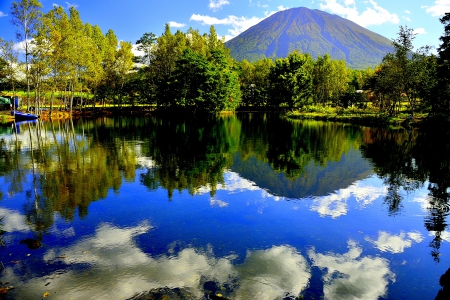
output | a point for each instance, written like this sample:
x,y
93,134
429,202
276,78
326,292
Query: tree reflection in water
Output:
x,y
71,165
408,160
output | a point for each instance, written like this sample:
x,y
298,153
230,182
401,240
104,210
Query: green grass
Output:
x,y
367,116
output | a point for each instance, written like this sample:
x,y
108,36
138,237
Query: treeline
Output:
x,y
63,55
189,70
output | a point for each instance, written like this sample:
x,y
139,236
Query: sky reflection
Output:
x,y
387,242
115,267
352,276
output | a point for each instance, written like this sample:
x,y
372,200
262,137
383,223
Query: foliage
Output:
x,y
254,78
291,80
330,79
442,104
26,15
205,84
9,63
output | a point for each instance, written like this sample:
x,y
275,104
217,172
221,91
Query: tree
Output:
x,y
255,83
3,65
206,84
146,44
95,46
408,75
26,14
52,39
123,64
291,80
442,105
399,76
330,79
108,63
10,56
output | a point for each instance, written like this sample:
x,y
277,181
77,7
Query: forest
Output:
x,y
70,63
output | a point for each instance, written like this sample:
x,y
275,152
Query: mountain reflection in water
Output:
x,y
249,206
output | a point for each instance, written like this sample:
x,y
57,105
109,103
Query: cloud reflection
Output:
x,y
272,273
13,221
387,242
335,205
350,276
114,267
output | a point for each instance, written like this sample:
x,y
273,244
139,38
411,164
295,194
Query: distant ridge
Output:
x,y
310,31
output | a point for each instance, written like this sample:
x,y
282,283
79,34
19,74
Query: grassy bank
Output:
x,y
354,115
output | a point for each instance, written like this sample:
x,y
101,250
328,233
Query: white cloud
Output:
x,y
238,24
2,14
407,19
350,276
116,268
215,5
176,25
439,8
281,8
137,52
387,242
71,5
270,274
373,15
13,221
218,203
335,205
420,31
20,46
445,235
407,11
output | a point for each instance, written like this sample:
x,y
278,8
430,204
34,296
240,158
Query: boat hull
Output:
x,y
23,116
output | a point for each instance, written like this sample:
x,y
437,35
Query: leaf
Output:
x,y
46,294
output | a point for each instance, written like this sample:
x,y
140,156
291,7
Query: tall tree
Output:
x,y
95,47
124,63
10,56
442,106
53,39
26,15
255,83
147,44
291,80
330,79
206,84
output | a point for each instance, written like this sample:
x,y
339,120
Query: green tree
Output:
x,y
26,14
291,80
123,64
330,79
108,84
198,83
95,46
147,44
10,57
442,104
52,39
255,82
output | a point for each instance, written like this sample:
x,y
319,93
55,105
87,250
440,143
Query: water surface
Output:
x,y
249,206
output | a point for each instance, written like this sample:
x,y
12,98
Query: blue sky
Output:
x,y
130,19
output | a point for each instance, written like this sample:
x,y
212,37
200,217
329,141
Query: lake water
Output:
x,y
248,206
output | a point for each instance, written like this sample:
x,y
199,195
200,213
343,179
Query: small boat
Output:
x,y
23,116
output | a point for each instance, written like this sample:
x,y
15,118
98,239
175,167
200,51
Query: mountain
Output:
x,y
310,31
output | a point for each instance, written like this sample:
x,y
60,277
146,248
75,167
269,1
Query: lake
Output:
x,y
247,206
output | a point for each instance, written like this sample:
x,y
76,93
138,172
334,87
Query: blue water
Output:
x,y
245,241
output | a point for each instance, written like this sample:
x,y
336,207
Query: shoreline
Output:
x,y
363,119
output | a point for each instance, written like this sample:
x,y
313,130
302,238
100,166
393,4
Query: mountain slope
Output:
x,y
314,32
